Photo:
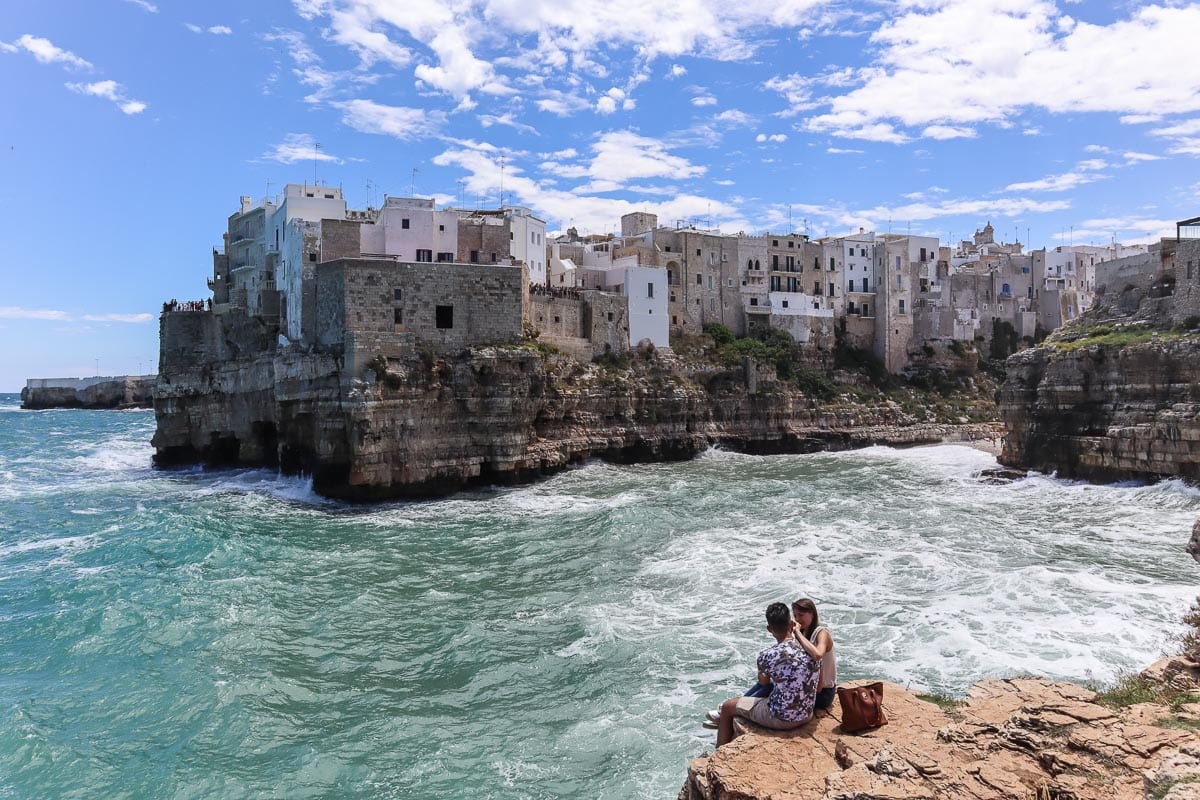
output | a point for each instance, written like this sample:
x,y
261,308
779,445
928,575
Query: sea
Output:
x,y
189,633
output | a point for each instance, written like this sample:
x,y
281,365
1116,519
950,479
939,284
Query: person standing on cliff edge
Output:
x,y
793,672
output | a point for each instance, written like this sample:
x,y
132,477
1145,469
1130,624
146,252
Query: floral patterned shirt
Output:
x,y
795,675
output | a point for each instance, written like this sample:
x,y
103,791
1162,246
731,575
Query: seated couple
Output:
x,y
795,675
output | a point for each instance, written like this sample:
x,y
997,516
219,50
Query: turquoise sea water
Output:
x,y
229,634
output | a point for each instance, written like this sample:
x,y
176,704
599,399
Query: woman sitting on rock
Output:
x,y
817,641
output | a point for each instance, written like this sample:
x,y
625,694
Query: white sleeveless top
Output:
x,y
828,662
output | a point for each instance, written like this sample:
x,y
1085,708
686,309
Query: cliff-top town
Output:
x,y
330,274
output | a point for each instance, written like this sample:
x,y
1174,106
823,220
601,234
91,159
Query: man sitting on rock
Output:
x,y
794,674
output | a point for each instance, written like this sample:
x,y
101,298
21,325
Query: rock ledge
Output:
x,y
1027,738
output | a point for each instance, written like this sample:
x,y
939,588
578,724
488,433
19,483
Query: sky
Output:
x,y
130,128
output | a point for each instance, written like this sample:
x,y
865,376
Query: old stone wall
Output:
x,y
557,316
448,306
485,240
606,322
340,238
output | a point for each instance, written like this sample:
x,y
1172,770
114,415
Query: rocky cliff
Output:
x,y
1116,394
421,424
1012,739
122,391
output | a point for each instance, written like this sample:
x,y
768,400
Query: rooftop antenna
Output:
x,y
789,219
316,158
412,184
501,182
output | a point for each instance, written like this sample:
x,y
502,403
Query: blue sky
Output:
x,y
131,127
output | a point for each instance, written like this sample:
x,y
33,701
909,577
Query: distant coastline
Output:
x,y
99,392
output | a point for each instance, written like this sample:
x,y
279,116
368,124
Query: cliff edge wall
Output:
x,y
412,423
1116,394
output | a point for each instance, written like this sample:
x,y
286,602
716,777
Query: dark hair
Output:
x,y
804,604
778,617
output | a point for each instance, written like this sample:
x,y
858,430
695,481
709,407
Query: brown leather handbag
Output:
x,y
862,707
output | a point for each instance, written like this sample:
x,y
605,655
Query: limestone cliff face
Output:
x,y
420,425
1105,412
125,391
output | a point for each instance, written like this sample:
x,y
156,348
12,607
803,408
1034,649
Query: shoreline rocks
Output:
x,y
422,427
118,392
1010,738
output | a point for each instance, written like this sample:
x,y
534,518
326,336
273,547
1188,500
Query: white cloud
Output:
x,y
112,91
549,38
841,150
299,147
1056,183
216,30
562,104
676,71
774,137
962,63
54,315
15,312
401,122
509,120
46,52
948,132
704,100
725,182
735,117
1132,157
146,6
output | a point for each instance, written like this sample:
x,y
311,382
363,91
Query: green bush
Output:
x,y
719,333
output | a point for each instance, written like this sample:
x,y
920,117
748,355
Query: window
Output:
x,y
851,287
832,264
791,243
897,262
710,281
610,316
775,262
831,290
850,307
404,223
398,316
774,243
328,197
312,257
729,282
866,311
785,303
425,255
712,304
901,306
753,301
817,262
510,236
443,316
816,287
649,290
865,289
532,237
397,295
897,281
697,251
474,257
445,258
442,228
557,319
699,280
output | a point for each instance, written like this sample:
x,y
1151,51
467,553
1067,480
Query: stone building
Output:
x,y
368,307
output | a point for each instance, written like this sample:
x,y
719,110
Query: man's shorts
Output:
x,y
755,709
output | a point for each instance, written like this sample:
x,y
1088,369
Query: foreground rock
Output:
x,y
1017,738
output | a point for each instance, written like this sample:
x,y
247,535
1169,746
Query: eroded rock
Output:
x,y
1018,739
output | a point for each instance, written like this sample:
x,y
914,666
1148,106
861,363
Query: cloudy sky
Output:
x,y
131,127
